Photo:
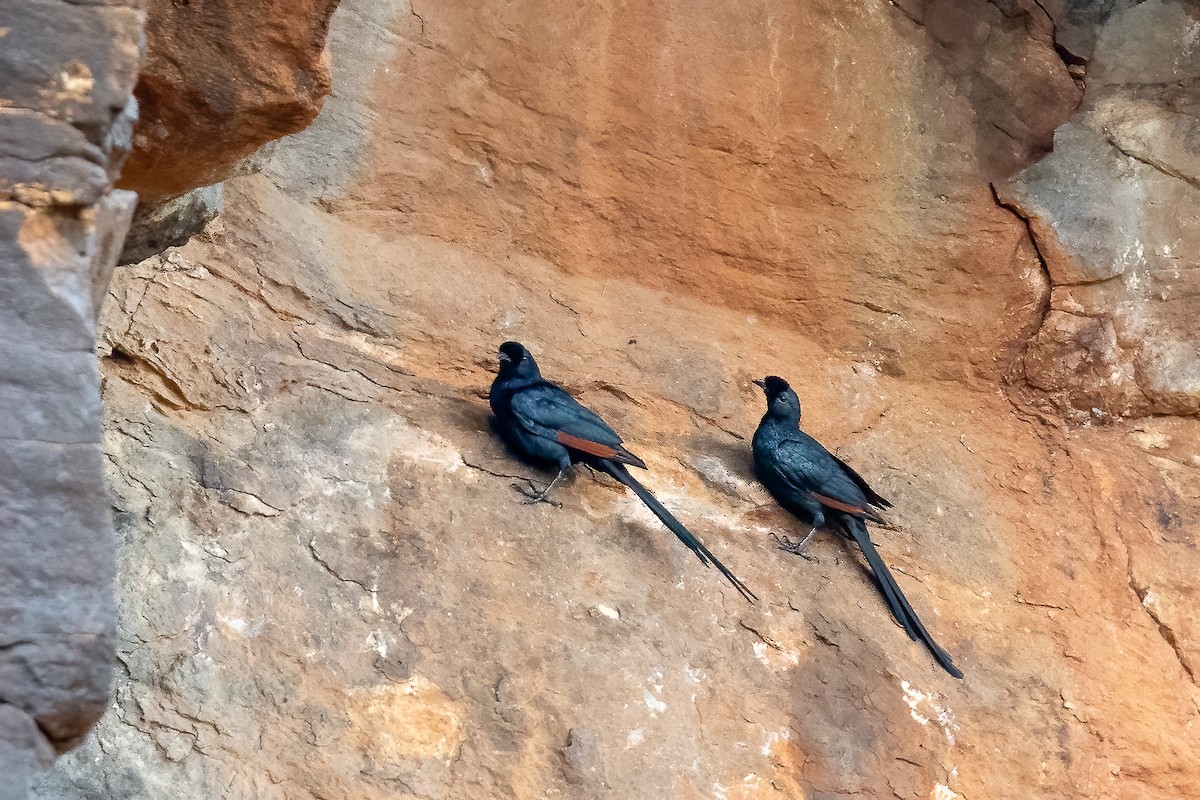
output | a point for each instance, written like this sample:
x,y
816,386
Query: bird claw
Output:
x,y
795,548
533,498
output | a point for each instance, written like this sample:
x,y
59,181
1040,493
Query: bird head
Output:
x,y
516,361
781,400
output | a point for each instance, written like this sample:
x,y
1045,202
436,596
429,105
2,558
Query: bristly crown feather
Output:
x,y
773,384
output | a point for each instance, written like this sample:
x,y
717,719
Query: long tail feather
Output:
x,y
895,599
620,473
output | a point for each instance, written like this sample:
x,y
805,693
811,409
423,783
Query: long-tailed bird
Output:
x,y
816,485
541,422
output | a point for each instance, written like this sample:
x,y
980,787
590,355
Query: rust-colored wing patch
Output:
x,y
586,445
858,511
838,504
617,453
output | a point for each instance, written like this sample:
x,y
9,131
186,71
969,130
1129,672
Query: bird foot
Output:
x,y
795,548
533,497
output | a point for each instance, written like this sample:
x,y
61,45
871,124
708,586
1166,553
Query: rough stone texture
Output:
x,y
157,226
981,46
1115,211
221,79
72,62
764,167
332,591
66,76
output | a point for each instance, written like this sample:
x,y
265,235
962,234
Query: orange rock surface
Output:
x,y
330,589
221,79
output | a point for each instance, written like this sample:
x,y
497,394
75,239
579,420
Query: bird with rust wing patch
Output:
x,y
817,486
541,422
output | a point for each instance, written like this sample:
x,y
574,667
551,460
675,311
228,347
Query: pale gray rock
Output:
x,y
157,226
66,75
1115,213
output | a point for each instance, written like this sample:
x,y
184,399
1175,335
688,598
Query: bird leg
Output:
x,y
542,496
808,537
796,548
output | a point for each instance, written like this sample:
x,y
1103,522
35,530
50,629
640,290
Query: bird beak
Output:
x,y
760,383
504,359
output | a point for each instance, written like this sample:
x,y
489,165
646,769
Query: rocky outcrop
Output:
x,y
221,79
157,226
1005,58
332,589
1113,211
65,118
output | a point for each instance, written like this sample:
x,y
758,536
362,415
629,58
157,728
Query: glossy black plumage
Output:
x,y
541,422
817,486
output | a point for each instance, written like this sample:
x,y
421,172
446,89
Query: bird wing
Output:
x,y
546,410
808,467
873,497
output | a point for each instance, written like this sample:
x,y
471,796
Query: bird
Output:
x,y
540,421
817,486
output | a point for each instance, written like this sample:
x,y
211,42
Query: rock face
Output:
x,y
65,117
221,79
765,166
1004,58
1115,211
330,588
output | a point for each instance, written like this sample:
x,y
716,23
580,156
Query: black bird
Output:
x,y
541,422
814,484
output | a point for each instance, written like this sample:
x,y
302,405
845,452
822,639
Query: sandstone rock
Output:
x,y
220,80
46,163
56,602
25,749
1084,218
1078,23
729,162
54,63
1003,58
64,107
334,592
1081,351
157,226
1115,211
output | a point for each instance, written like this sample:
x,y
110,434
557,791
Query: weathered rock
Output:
x,y
1003,58
56,576
54,63
1078,23
156,227
1115,211
751,156
64,106
44,163
1080,351
221,79
24,750
334,590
